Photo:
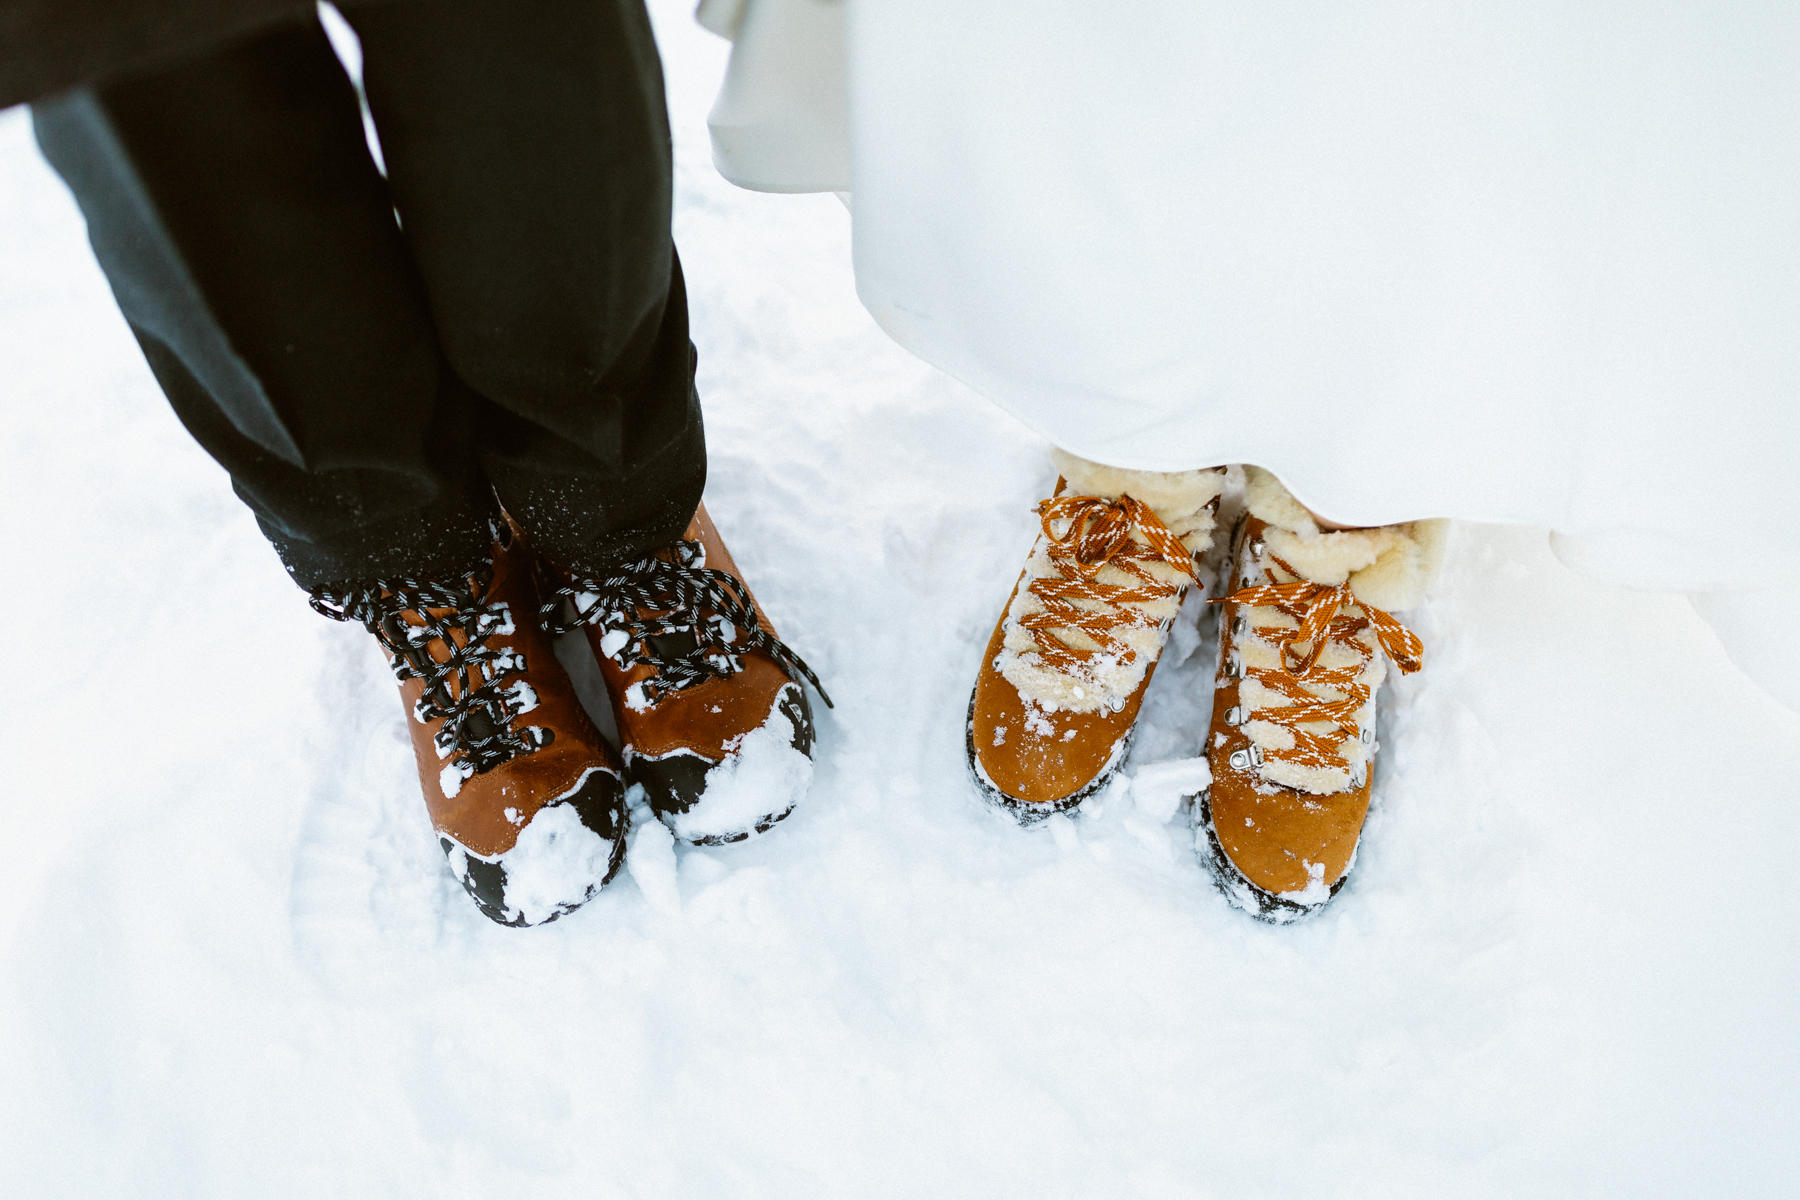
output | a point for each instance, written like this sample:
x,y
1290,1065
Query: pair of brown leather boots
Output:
x,y
1305,637
528,798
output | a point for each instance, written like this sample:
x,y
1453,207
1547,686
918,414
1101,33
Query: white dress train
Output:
x,y
1500,261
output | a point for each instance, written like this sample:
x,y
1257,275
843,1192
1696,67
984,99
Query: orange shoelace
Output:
x,y
1099,533
1323,613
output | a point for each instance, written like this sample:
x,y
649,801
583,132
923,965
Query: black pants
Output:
x,y
372,384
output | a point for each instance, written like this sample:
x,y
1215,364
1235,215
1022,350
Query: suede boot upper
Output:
x,y
1305,643
1065,671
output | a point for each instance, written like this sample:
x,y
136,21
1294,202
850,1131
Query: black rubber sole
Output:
x,y
1031,813
729,839
1238,891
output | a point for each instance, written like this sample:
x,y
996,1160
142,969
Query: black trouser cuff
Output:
x,y
589,526
441,544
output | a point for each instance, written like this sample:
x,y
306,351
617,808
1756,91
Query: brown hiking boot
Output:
x,y
712,717
1292,742
524,793
1065,671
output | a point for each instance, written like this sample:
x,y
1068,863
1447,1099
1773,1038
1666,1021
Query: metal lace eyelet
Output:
x,y
1245,759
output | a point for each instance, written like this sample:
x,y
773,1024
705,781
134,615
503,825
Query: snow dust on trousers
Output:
x,y
370,390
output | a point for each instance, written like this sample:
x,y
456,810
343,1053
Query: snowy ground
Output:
x,y
232,963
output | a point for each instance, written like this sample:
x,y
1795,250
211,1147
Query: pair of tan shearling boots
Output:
x,y
1306,637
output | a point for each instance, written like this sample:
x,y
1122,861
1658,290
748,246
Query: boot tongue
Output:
x,y
673,646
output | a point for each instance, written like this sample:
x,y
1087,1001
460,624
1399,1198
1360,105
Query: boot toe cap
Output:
x,y
1282,855
562,857
758,782
1034,773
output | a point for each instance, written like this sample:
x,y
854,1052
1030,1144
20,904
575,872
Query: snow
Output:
x,y
761,777
524,697
1315,891
452,777
613,641
232,962
554,863
1159,788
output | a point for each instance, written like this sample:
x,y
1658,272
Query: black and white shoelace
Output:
x,y
409,618
687,621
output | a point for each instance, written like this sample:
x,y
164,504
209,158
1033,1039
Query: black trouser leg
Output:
x,y
527,149
360,385
251,245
